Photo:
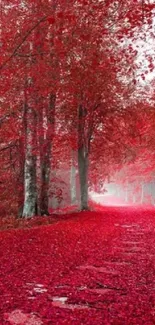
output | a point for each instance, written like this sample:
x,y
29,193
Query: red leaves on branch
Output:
x,y
51,20
76,50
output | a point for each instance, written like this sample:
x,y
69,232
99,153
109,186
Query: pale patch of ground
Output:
x,y
61,302
35,287
17,317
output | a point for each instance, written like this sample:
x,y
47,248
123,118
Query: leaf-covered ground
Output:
x,y
94,268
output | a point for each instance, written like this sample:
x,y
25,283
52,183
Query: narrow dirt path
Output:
x,y
103,272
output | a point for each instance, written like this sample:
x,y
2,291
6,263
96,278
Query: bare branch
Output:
x,y
22,41
11,145
29,55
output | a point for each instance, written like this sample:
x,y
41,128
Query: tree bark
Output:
x,y
30,122
45,156
30,188
83,159
21,178
83,177
73,179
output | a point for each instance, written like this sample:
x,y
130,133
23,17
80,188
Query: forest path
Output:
x,y
103,272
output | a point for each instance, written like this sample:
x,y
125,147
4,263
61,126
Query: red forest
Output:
x,y
77,130
75,109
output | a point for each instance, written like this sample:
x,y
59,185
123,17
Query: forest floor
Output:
x,y
94,268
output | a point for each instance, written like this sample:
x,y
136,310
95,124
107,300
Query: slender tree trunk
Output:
x,y
30,122
45,175
30,188
73,179
83,177
83,159
45,162
21,178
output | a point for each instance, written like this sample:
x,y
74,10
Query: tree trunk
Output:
x,y
30,188
30,121
73,179
83,151
22,146
45,156
45,175
83,177
21,179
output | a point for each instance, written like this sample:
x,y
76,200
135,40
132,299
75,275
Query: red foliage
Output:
x,y
71,50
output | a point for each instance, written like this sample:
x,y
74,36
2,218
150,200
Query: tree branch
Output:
x,y
22,41
11,145
29,55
